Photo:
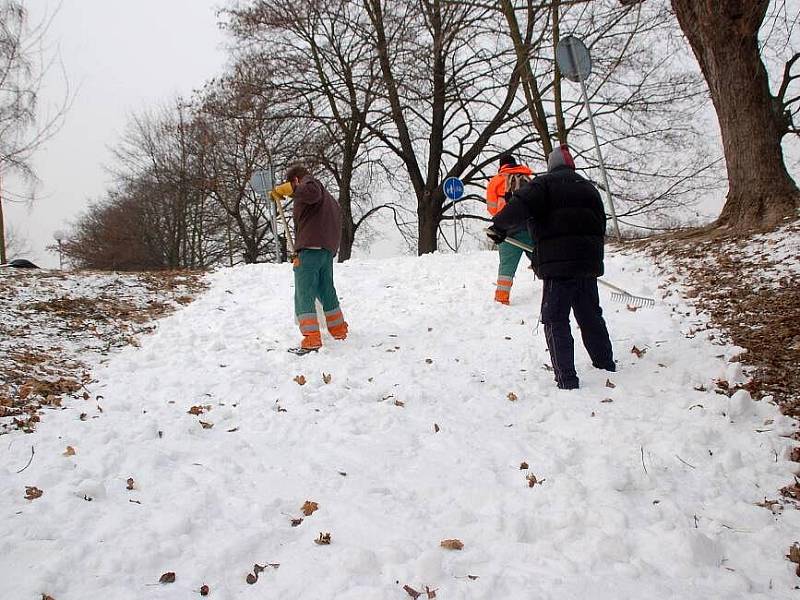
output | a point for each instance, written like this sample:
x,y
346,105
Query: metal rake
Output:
x,y
617,295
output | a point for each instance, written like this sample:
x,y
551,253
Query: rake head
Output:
x,y
633,301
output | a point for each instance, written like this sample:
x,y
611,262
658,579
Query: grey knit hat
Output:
x,y
560,157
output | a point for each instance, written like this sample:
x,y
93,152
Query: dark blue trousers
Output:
x,y
559,296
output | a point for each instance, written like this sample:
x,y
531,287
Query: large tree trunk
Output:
x,y
429,216
348,231
2,235
724,37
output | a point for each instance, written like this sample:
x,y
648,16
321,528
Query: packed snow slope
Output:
x,y
642,484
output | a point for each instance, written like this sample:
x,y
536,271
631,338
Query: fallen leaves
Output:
x,y
70,451
204,590
309,508
206,424
435,428
324,539
532,480
399,403
32,492
794,556
326,377
412,592
199,409
300,380
168,577
429,593
296,522
130,483
638,352
610,384
512,396
452,544
523,465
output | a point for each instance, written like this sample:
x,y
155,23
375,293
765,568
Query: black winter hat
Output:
x,y
507,159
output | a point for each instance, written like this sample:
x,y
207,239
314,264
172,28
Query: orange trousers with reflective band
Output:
x,y
509,261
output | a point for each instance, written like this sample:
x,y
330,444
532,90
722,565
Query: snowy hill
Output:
x,y
199,448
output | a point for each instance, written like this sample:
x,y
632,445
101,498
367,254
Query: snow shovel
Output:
x,y
617,295
289,240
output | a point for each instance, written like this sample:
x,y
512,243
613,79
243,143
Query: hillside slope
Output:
x,y
414,430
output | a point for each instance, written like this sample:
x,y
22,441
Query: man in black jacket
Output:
x,y
567,222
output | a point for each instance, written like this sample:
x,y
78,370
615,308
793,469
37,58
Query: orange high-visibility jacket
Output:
x,y
496,190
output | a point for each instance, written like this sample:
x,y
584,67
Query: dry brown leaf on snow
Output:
x,y
532,480
300,380
523,465
47,597
257,569
435,428
610,384
70,451
251,579
431,593
296,522
196,410
130,483
473,577
168,577
512,396
324,539
309,507
31,492
794,553
639,353
204,590
399,403
206,425
412,592
452,544
326,377
606,400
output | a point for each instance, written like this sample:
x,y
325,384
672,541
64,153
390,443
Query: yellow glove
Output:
x,y
279,191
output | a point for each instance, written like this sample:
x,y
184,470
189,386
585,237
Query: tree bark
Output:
x,y
429,216
3,258
724,38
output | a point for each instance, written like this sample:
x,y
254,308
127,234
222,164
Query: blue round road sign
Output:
x,y
453,188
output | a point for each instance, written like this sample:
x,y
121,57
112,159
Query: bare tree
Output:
x,y
448,86
331,78
23,65
644,98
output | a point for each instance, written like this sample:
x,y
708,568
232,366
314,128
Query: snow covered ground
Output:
x,y
410,432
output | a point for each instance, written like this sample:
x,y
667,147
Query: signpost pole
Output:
x,y
453,189
577,69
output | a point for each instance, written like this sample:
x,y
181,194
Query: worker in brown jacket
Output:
x,y
318,230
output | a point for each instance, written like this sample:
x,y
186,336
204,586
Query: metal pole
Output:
x,y
455,230
596,145
273,209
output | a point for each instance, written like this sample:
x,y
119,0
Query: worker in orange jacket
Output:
x,y
509,179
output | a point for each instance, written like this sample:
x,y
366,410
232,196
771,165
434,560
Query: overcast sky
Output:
x,y
120,57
